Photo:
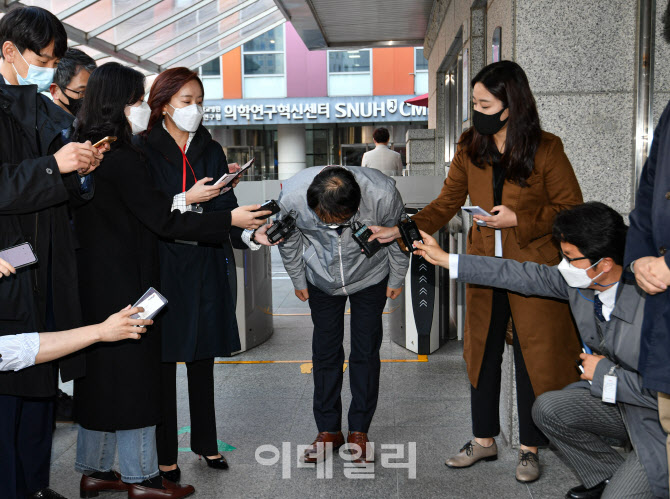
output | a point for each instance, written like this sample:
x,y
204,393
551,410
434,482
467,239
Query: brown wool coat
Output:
x,y
544,326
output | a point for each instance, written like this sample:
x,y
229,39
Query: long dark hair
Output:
x,y
110,89
507,82
164,87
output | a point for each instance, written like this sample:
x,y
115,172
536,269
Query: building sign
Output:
x,y
377,109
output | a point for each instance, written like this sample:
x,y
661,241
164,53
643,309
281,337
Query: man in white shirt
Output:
x,y
381,157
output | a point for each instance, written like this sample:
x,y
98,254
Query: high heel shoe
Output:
x,y
173,476
218,463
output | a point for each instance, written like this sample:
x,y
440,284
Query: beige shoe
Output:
x,y
471,453
528,469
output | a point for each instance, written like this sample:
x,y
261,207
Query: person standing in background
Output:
x,y
520,174
381,157
70,80
67,92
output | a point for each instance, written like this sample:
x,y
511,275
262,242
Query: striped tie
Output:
x,y
598,308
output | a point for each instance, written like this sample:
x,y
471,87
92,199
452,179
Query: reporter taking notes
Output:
x,y
511,168
608,307
119,398
199,322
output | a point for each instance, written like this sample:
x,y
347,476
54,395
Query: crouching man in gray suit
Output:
x,y
607,306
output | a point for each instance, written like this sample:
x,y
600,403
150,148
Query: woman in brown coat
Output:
x,y
512,169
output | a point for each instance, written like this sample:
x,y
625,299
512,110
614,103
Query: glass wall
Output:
x,y
210,74
420,72
349,72
264,65
324,145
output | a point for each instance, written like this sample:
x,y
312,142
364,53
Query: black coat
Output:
x,y
649,235
34,208
199,322
118,261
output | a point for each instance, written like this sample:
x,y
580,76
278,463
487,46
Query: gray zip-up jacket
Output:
x,y
333,262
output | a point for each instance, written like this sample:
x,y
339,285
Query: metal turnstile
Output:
x,y
417,323
252,280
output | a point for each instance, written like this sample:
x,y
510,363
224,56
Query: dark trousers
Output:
x,y
485,399
328,355
25,445
201,406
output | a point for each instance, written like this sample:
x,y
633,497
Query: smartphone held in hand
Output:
x,y
476,210
271,206
227,178
152,302
19,256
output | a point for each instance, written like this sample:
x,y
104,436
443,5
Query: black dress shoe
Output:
x,y
173,476
218,463
581,492
47,494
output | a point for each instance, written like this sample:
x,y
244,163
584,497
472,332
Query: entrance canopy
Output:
x,y
332,24
155,35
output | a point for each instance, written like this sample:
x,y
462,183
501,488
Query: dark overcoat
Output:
x,y
199,322
118,261
649,235
34,208
544,326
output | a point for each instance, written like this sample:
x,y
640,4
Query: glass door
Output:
x,y
352,154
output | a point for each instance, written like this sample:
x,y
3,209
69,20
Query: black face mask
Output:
x,y
488,124
74,106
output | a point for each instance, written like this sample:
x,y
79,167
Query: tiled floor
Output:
x,y
426,403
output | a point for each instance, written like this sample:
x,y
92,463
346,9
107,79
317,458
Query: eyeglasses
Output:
x,y
570,260
80,93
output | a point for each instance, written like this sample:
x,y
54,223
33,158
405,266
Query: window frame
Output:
x,y
204,76
282,75
370,72
418,71
253,52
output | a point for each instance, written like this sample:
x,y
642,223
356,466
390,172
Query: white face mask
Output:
x,y
576,278
187,118
139,117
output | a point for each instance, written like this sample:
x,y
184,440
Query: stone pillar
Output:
x,y
290,150
421,151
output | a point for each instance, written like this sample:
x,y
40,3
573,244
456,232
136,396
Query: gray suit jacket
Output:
x,y
384,160
620,344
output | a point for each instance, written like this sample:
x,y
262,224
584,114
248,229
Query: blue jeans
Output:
x,y
138,460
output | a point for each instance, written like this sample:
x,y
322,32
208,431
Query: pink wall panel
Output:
x,y
306,72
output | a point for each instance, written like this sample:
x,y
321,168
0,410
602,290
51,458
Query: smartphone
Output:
x,y
227,178
475,210
106,140
152,302
269,206
19,256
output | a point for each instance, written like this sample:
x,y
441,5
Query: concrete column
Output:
x,y
290,150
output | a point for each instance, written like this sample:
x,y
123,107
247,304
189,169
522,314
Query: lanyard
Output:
x,y
185,161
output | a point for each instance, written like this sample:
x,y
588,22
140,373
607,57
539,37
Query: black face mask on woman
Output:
x,y
488,124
